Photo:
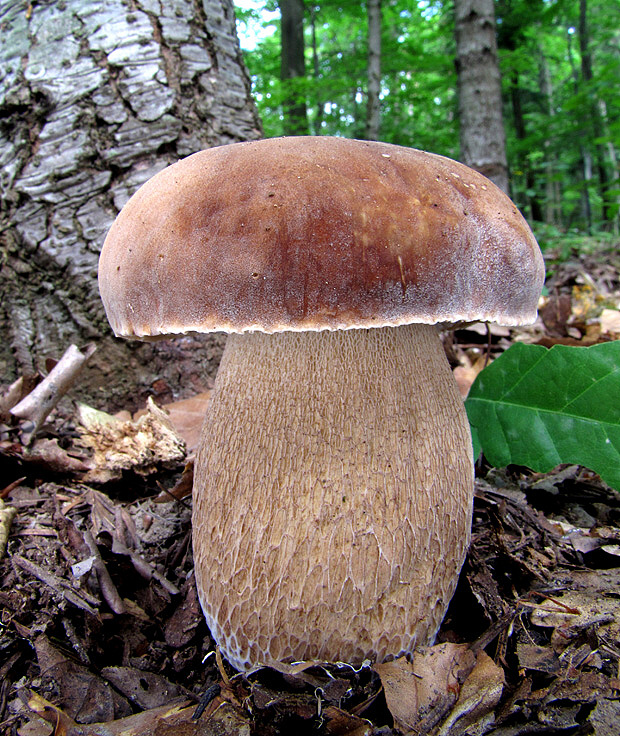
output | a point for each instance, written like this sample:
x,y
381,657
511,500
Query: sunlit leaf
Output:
x,y
540,408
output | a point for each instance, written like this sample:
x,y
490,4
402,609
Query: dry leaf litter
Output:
x,y
101,631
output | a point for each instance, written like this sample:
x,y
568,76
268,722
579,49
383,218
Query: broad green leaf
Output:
x,y
540,407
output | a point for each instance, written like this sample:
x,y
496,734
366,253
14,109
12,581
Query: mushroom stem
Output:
x,y
333,495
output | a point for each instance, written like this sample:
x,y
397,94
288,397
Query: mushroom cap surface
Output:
x,y
316,233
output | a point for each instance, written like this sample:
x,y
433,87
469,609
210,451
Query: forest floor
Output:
x,y
101,631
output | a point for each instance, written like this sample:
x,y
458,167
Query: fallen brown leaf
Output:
x,y
341,723
145,689
538,659
183,486
173,719
479,695
49,455
593,603
420,693
181,626
467,373
187,417
84,696
555,313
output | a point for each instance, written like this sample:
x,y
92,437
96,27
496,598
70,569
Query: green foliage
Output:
x,y
554,150
541,49
540,408
558,245
418,98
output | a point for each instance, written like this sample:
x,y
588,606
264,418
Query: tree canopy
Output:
x,y
560,67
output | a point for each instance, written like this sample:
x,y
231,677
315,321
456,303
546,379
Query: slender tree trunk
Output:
x,y
595,114
94,99
613,162
479,90
293,67
373,110
553,208
521,133
318,118
585,160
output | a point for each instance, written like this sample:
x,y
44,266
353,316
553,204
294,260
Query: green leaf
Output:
x,y
475,442
540,407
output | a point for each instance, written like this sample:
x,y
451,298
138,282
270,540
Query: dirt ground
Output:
x,y
101,631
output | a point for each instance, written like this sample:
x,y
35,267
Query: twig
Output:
x,y
17,391
108,589
538,606
7,514
12,486
210,694
54,582
35,407
76,643
487,353
221,668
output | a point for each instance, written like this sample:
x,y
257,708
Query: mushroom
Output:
x,y
334,481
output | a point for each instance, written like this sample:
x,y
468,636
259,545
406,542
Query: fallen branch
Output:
x,y
16,392
35,407
12,486
56,583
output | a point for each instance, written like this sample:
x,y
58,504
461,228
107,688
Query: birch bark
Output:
x,y
94,99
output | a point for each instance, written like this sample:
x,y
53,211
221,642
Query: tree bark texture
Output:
x,y
94,99
479,90
293,66
373,110
318,95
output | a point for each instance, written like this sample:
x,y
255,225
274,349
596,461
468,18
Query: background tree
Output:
x,y
550,78
417,77
480,90
514,17
596,111
94,99
373,109
293,67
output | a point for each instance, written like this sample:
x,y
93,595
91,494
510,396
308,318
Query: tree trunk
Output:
x,y
318,99
293,67
613,163
585,159
479,90
536,212
373,111
553,194
595,113
95,98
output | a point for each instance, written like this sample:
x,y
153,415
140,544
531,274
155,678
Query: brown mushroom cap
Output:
x,y
316,233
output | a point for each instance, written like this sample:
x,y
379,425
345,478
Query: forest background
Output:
x,y
95,98
560,81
